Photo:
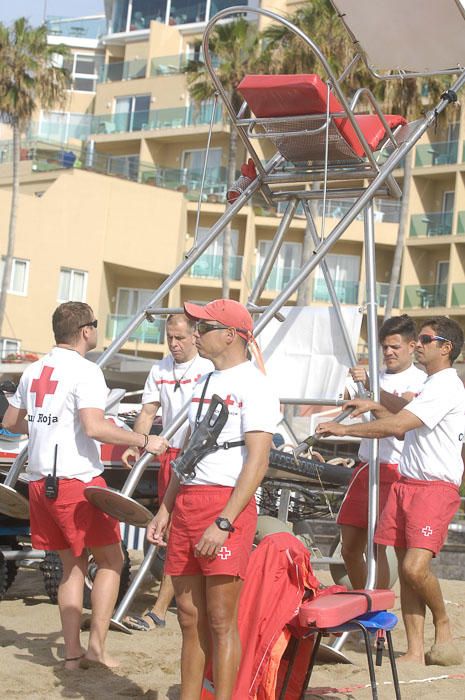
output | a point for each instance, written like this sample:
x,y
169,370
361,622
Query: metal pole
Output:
x,y
373,364
132,590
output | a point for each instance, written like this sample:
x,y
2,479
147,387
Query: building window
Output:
x,y
19,276
8,347
344,271
129,300
132,113
84,69
286,264
73,285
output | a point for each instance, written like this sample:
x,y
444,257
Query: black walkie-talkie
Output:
x,y
51,481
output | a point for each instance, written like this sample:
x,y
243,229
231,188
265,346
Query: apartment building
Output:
x,y
110,188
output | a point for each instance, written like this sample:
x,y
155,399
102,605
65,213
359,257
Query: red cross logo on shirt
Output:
x,y
43,385
224,553
427,531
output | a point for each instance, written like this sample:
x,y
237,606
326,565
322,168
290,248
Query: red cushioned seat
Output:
x,y
295,95
332,610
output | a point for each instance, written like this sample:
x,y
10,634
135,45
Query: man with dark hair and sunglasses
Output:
x,y
60,402
214,515
422,503
169,385
398,378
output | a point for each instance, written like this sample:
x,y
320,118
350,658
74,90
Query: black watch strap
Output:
x,y
224,524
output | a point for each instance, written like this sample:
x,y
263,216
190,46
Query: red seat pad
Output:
x,y
332,610
295,95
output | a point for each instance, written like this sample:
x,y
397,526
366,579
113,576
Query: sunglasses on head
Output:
x,y
426,339
93,323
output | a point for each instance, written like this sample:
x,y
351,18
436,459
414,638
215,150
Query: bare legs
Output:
x,y
419,588
207,609
354,542
104,592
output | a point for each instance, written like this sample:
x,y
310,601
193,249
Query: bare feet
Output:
x,y
446,654
72,662
92,661
409,657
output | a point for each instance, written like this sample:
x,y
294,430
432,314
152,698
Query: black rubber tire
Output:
x,y
339,573
317,472
157,567
307,502
52,571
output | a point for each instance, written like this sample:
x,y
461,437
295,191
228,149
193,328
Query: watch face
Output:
x,y
223,524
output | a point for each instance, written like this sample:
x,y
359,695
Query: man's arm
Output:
x,y
393,425
142,424
14,420
258,446
97,427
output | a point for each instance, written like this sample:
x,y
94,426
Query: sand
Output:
x,y
32,649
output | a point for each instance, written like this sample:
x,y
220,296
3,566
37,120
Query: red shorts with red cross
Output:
x,y
196,508
417,514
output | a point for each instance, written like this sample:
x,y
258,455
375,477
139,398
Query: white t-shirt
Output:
x,y
434,451
53,390
160,388
397,383
252,406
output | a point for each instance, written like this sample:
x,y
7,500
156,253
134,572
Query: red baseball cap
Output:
x,y
228,312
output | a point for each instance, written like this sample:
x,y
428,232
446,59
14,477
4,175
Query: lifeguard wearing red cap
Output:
x,y
231,314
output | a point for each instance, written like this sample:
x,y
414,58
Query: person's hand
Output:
x,y
361,406
131,453
158,527
211,542
330,428
156,444
359,374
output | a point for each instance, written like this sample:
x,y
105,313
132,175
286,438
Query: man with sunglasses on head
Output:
x,y
170,385
214,515
60,402
422,503
398,378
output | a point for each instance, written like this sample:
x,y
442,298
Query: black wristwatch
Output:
x,y
224,524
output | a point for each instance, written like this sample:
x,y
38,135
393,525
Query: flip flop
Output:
x,y
137,622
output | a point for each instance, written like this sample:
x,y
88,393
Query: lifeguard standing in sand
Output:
x,y
213,517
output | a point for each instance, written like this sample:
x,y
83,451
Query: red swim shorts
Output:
x,y
354,508
417,514
196,508
69,521
164,473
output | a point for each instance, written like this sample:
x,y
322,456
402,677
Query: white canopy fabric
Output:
x,y
421,36
305,356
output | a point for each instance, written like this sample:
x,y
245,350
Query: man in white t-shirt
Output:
x,y
399,377
170,385
422,503
214,516
60,402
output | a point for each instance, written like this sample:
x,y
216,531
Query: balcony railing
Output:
x,y
346,292
188,181
146,333
145,120
458,294
172,65
461,222
211,267
431,224
123,70
279,278
384,210
84,28
437,153
382,290
426,296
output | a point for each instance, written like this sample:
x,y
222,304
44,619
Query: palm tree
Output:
x,y
29,79
234,46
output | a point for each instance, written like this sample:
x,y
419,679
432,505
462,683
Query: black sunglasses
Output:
x,y
93,323
203,327
427,339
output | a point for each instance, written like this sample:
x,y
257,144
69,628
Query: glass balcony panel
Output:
x,y
346,292
91,28
431,224
426,296
280,278
211,267
458,294
437,153
382,290
461,222
168,65
217,5
123,70
146,333
187,12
